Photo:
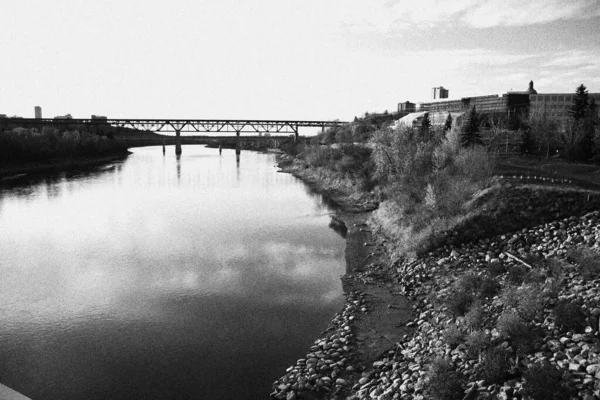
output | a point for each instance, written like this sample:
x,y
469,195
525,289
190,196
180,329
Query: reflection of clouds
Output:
x,y
98,242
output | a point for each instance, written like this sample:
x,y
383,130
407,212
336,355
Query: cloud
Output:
x,y
492,13
573,59
391,18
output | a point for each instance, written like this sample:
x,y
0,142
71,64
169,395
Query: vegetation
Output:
x,y
426,185
444,382
469,134
577,137
543,382
32,145
494,366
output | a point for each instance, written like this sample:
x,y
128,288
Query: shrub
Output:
x,y
488,287
459,301
587,260
517,274
474,317
462,294
496,269
521,335
530,302
569,316
453,336
510,297
444,382
543,382
476,342
428,183
511,325
494,366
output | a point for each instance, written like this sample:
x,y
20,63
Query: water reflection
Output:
x,y
143,279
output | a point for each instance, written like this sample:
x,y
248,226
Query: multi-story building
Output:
x,y
514,106
555,105
38,112
439,93
406,107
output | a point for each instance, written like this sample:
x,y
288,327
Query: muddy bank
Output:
x,y
373,318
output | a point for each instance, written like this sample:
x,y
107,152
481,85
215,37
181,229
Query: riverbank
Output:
x,y
19,170
455,322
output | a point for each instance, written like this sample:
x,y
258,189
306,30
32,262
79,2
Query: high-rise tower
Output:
x,y
38,112
439,93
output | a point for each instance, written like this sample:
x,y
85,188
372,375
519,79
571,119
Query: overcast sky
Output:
x,y
284,59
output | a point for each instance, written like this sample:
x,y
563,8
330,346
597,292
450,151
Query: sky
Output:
x,y
284,59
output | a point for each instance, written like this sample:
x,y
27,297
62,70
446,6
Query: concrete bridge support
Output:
x,y
178,143
237,143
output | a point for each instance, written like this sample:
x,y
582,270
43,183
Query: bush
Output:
x,y
428,183
510,297
468,289
494,366
511,325
444,382
521,335
496,269
570,316
587,260
517,274
488,287
476,342
474,317
543,382
530,302
453,336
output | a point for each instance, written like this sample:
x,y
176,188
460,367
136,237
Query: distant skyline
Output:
x,y
292,59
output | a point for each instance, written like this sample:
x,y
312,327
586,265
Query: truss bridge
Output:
x,y
207,127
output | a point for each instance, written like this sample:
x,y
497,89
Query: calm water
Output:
x,y
163,278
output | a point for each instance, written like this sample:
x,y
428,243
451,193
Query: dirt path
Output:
x,y
384,324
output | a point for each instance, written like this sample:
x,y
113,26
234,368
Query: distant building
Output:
x,y
38,112
514,106
3,116
99,117
406,107
436,119
439,93
68,116
555,105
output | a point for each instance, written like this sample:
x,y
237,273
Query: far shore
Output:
x,y
15,171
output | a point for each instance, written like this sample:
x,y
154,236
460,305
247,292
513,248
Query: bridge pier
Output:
x,y
220,148
238,150
178,143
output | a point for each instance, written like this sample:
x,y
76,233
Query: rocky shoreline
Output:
x,y
397,321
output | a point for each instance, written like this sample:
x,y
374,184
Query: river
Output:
x,y
163,277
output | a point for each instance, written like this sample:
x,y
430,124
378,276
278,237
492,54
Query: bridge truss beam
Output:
x,y
215,126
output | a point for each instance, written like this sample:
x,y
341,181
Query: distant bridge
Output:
x,y
214,126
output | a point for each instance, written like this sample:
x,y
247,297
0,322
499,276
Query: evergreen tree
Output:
x,y
469,133
593,130
448,123
579,107
425,127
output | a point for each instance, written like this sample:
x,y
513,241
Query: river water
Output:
x,y
160,277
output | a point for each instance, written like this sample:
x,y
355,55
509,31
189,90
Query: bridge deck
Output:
x,y
185,125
